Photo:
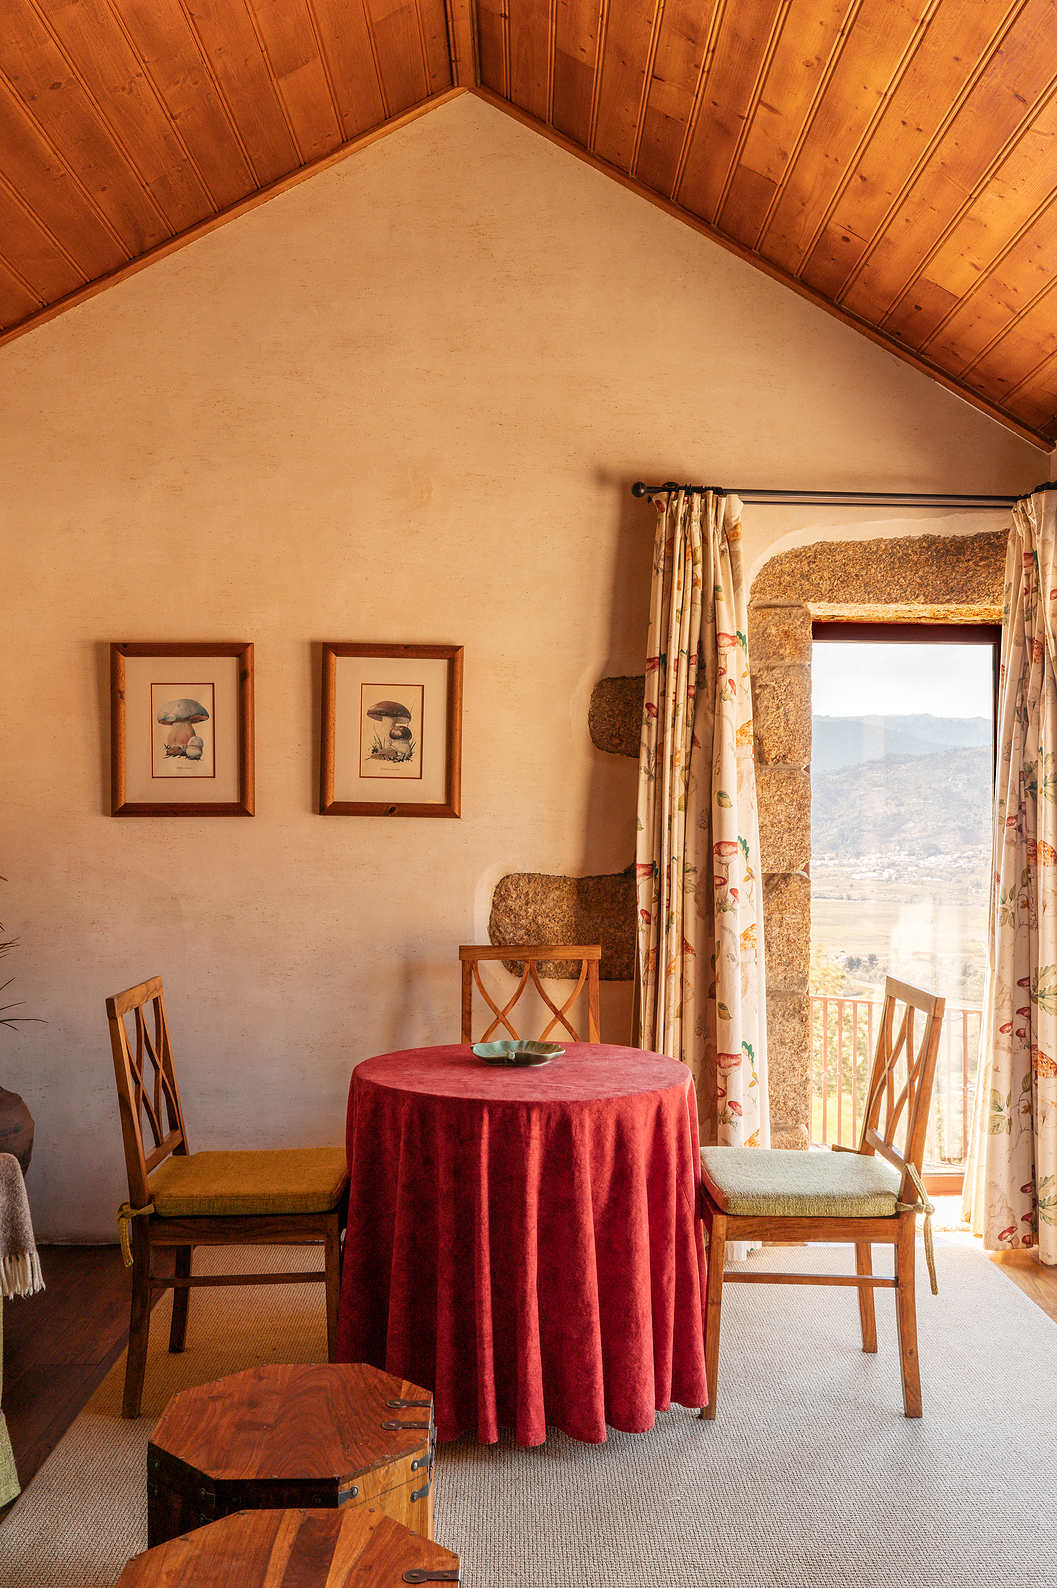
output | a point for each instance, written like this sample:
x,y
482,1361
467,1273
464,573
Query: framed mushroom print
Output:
x,y
391,737
181,729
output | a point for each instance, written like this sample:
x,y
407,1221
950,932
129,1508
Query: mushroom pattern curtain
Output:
x,y
698,876
1011,1179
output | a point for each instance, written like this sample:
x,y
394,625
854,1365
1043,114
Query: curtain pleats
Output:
x,y
699,896
1011,1179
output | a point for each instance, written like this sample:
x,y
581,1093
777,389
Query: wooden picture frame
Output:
x,y
391,732
181,729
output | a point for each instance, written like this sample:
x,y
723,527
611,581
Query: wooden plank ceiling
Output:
x,y
893,160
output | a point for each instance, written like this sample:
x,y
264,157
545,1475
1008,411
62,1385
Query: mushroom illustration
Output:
x,y
400,741
182,740
397,716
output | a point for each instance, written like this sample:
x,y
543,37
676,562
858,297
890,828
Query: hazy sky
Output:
x,y
858,680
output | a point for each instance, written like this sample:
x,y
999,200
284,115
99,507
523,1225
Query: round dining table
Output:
x,y
525,1242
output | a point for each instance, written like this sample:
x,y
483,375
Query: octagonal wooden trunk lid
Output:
x,y
350,1547
299,1435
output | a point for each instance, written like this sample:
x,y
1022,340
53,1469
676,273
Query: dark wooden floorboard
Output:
x,y
60,1344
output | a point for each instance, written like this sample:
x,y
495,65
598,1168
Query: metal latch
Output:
x,y
394,1426
431,1574
420,1494
427,1460
401,1406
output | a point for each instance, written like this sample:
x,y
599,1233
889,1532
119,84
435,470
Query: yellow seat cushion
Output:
x,y
771,1182
219,1184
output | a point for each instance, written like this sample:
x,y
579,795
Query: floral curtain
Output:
x,y
1011,1179
699,896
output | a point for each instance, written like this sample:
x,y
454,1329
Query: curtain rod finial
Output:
x,y
638,489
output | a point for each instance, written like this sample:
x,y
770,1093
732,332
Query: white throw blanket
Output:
x,y
20,1273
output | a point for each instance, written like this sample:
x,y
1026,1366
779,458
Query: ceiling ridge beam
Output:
x,y
212,223
882,339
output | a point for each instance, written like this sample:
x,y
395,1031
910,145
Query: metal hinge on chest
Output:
x,y
431,1574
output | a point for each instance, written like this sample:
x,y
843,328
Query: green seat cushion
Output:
x,y
215,1184
772,1181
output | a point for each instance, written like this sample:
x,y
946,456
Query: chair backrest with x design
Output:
x,y
531,956
146,1083
899,1093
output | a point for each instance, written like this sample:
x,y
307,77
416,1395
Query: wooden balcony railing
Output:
x,y
843,1034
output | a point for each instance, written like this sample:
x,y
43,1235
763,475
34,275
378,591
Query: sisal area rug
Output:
x,y
810,1477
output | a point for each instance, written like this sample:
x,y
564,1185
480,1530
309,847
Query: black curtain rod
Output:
x,y
848,498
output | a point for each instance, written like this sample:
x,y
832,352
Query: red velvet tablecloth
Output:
x,y
524,1242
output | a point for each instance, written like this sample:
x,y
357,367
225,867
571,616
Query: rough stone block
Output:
x,y
791,1140
789,1063
781,707
784,795
779,632
787,931
529,907
614,716
956,570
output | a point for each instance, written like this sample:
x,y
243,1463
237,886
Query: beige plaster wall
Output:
x,y
403,401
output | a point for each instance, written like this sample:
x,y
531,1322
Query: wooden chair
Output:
x,y
859,1196
531,956
180,1199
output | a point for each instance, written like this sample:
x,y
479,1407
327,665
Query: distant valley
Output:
x,y
901,848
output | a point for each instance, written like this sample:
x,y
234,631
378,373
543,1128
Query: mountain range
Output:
x,y
917,805
845,741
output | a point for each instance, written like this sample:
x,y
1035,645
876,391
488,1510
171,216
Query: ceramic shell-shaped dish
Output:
x,y
519,1053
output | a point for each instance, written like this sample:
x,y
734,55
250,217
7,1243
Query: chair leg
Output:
x,y
906,1317
332,1263
139,1321
180,1297
867,1315
717,1246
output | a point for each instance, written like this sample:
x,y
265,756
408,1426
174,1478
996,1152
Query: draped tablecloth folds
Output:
x,y
525,1242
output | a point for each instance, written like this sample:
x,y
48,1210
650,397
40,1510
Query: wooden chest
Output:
x,y
305,1435
347,1548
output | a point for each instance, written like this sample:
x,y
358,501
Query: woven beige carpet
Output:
x,y
810,1477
